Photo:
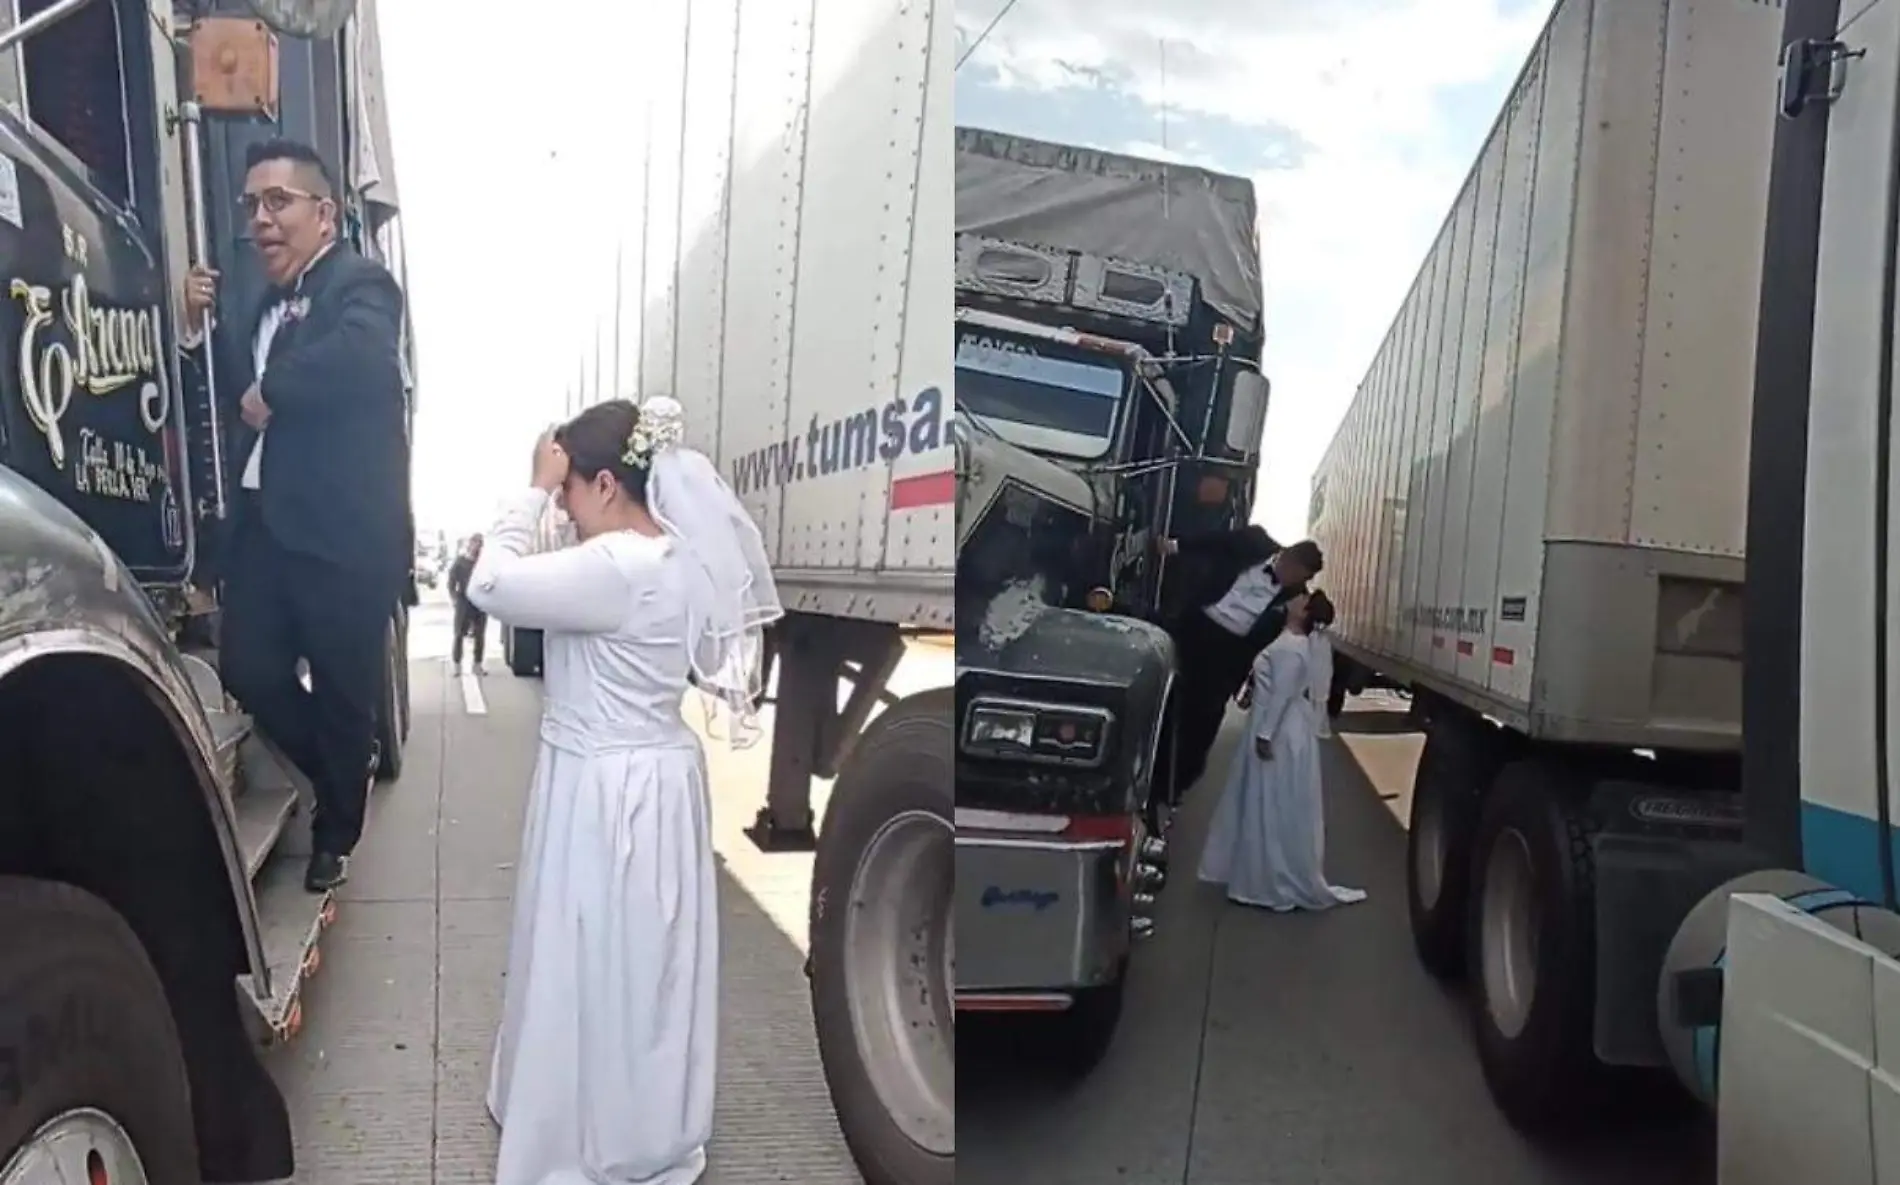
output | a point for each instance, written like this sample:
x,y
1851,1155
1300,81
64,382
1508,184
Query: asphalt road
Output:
x,y
386,1082
1256,1050
1304,1050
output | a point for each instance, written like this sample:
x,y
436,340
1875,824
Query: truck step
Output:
x,y
262,815
268,776
228,730
290,924
263,795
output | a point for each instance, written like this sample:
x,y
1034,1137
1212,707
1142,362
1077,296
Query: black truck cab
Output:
x,y
154,920
1108,396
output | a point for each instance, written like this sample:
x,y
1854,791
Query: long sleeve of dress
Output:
x,y
576,590
1273,691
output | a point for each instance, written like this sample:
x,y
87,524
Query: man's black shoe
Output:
x,y
326,872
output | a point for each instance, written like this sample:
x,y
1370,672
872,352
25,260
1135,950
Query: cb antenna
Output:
x,y
983,36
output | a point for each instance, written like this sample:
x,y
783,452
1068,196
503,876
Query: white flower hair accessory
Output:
x,y
659,425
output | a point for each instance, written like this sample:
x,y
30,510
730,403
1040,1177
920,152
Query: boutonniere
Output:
x,y
297,309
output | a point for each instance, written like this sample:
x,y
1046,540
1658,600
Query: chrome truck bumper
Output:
x,y
1044,910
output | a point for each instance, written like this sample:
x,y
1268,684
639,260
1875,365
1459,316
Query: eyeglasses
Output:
x,y
275,200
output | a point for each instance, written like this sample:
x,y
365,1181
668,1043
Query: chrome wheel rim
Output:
x,y
1508,917
83,1146
900,950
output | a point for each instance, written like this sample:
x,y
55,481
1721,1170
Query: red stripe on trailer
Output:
x,y
1438,641
1465,648
1504,656
924,489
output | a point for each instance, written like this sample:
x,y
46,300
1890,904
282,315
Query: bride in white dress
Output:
x,y
1267,842
604,1066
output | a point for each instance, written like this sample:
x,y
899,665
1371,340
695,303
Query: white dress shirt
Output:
x,y
267,328
1240,608
260,354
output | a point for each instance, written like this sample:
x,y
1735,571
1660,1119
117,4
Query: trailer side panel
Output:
x,y
1537,497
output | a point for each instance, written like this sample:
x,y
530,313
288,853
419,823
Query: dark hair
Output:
x,y
1307,554
1319,608
596,440
296,152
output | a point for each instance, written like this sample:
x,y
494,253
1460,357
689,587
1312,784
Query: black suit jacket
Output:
x,y
335,476
1219,558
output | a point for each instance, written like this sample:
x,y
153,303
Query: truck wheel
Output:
x,y
1533,949
882,946
392,719
1447,790
1080,1037
97,1078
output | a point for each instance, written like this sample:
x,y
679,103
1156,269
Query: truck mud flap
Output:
x,y
1660,851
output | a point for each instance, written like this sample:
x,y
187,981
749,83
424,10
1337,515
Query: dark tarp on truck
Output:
x,y
1101,203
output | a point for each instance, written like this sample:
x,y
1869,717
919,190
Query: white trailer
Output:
x,y
1535,505
1535,515
796,264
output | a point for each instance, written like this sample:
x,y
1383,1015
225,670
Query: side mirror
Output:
x,y
314,19
1247,416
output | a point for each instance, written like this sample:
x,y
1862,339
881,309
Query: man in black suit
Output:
x,y
1238,606
321,540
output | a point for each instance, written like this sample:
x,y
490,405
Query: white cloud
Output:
x,y
1360,83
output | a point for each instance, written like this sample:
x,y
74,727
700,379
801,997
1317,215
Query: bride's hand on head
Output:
x,y
550,463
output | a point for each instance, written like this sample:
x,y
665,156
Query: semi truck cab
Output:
x,y
151,902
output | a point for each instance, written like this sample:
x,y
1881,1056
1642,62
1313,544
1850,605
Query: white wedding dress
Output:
x,y
604,1067
1267,841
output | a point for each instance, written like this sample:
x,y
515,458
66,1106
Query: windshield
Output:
x,y
1047,404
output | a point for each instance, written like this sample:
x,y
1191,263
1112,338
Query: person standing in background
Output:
x,y
468,619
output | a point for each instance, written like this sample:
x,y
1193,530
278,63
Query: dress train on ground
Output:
x,y
1267,841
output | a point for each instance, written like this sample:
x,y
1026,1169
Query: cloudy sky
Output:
x,y
512,198
1357,120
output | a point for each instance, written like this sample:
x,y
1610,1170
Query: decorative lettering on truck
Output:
x,y
110,350
885,433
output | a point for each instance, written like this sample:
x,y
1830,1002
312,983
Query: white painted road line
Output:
x,y
472,700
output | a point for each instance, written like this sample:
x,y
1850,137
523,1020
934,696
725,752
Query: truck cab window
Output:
x,y
1049,405
75,91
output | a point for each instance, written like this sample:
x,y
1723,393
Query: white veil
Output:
x,y
733,596
1319,676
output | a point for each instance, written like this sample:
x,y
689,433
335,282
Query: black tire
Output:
x,y
903,763
1347,680
1545,1077
84,1023
392,719
1081,1037
1457,765
522,650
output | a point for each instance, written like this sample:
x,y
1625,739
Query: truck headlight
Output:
x,y
1057,733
